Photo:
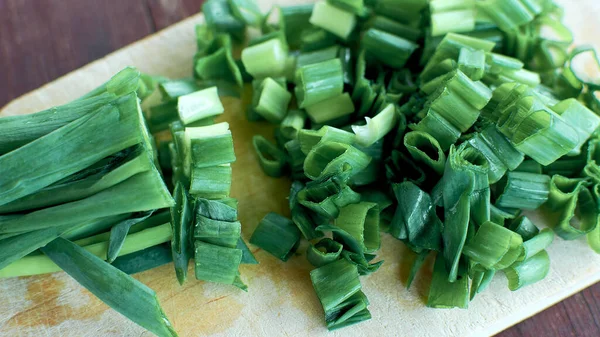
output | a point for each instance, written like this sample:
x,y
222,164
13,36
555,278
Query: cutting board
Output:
x,y
280,300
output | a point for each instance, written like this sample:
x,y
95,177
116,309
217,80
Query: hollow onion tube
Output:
x,y
329,157
426,149
333,19
529,271
323,252
266,59
391,50
523,190
377,127
361,220
199,105
277,235
318,82
271,159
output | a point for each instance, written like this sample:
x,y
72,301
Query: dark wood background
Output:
x,y
41,40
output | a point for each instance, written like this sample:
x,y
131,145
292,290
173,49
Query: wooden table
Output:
x,y
41,40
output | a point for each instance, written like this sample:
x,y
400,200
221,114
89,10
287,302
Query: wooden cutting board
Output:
x,y
280,300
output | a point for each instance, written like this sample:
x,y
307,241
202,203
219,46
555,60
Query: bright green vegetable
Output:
x,y
112,286
333,19
277,235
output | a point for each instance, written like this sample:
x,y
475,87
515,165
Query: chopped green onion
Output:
x,y
181,221
329,157
529,271
437,126
266,59
292,123
424,148
324,252
377,127
457,21
382,23
391,50
444,293
523,190
491,245
199,105
212,182
277,235
580,118
333,19
538,243
361,220
294,21
572,201
217,232
317,56
310,138
143,260
246,11
337,286
273,101
219,16
218,264
318,82
272,160
472,63
524,227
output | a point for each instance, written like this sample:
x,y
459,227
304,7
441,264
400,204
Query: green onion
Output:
x,y
377,127
537,243
294,21
246,11
310,138
523,190
323,252
217,232
143,260
329,157
318,82
571,200
391,50
330,109
118,234
271,159
327,197
529,271
266,59
218,264
491,245
115,288
361,220
181,220
437,126
292,123
40,264
212,182
219,16
199,105
457,21
273,101
317,56
509,15
338,289
424,148
333,19
446,294
579,117
277,235
472,63
524,227
382,23
415,221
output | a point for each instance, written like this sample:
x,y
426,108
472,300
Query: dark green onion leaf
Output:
x,y
218,264
120,291
333,19
118,233
323,252
329,157
277,235
389,49
318,82
529,271
523,190
361,220
272,160
446,294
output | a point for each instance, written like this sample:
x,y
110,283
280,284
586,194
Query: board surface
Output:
x,y
281,300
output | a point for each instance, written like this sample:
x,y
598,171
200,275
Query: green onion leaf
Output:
x,y
211,182
118,234
377,127
318,82
529,271
444,293
271,159
266,59
277,235
330,157
523,190
333,19
491,245
218,264
115,288
181,220
323,252
472,63
330,109
426,149
361,220
199,105
273,100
